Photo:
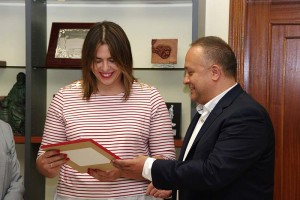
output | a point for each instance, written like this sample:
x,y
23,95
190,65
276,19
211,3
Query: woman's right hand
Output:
x,y
50,162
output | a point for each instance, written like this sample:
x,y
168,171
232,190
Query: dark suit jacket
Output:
x,y
231,158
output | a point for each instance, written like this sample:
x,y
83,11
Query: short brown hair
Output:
x,y
114,36
218,51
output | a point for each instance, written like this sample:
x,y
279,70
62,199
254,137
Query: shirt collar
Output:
x,y
209,106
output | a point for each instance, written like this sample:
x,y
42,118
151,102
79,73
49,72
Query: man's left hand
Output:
x,y
151,190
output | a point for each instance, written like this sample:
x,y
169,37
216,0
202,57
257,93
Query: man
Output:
x,y
228,152
11,182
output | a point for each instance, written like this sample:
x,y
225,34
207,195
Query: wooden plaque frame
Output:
x,y
51,60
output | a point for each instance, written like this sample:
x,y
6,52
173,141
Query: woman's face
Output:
x,y
107,72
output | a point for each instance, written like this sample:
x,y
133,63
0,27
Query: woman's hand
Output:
x,y
50,162
109,175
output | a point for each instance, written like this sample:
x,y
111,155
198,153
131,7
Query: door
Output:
x,y
265,35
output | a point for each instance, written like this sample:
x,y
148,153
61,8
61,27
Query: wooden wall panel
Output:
x,y
268,53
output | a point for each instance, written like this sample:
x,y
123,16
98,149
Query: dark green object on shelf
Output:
x,y
12,107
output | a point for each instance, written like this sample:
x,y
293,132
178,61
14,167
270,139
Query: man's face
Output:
x,y
197,75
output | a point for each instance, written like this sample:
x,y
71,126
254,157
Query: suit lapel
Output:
x,y
188,134
226,100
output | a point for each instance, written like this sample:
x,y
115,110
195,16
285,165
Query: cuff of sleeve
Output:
x,y
147,168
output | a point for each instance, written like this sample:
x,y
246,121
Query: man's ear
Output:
x,y
216,72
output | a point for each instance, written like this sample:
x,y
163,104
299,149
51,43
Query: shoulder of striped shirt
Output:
x,y
74,85
142,85
78,85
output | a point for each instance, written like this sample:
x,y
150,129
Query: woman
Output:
x,y
108,105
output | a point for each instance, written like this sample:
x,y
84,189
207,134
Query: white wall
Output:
x,y
217,18
12,33
169,83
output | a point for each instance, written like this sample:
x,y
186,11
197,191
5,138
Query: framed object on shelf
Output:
x,y
2,63
175,115
164,52
65,44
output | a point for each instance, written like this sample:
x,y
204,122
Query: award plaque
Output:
x,y
65,44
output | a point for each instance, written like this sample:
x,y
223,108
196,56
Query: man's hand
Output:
x,y
151,190
131,168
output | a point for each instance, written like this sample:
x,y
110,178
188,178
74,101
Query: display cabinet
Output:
x,y
141,20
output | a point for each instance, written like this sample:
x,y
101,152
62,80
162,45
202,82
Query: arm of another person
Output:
x,y
161,140
16,188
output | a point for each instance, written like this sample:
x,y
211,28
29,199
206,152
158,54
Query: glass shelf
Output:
x,y
77,68
13,67
117,1
21,139
38,140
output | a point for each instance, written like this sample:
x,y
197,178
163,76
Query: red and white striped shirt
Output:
x,y
139,126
